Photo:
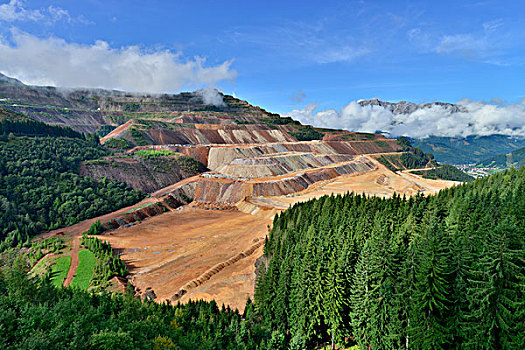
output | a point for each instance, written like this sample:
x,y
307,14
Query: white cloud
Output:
x,y
308,43
340,54
15,11
464,44
487,45
211,96
53,61
479,119
58,14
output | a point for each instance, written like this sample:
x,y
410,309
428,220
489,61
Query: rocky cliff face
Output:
x,y
146,175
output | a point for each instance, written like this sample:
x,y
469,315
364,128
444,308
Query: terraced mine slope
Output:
x,y
216,175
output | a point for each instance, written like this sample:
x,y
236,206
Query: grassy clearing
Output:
x,y
59,270
86,265
137,208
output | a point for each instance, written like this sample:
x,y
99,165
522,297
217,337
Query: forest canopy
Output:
x,y
41,190
424,272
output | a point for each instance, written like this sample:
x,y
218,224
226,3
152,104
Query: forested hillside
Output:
x,y
514,159
445,172
468,150
17,124
444,271
41,190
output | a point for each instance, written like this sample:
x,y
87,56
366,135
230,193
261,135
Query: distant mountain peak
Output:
x,y
404,107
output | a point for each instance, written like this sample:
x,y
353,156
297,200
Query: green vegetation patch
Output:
x,y
191,165
414,158
39,248
41,268
118,143
446,172
59,270
132,210
86,266
276,119
138,137
307,134
382,144
105,129
151,153
108,264
391,162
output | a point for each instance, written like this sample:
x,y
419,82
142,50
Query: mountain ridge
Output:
x,y
404,107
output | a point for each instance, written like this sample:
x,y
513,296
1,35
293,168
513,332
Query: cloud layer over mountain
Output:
x,y
54,61
479,118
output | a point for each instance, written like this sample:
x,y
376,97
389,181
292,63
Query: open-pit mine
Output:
x,y
200,237
215,176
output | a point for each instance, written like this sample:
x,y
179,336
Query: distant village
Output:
x,y
476,172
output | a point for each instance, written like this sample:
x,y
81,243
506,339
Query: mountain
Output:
x,y
404,107
467,150
454,150
514,159
86,110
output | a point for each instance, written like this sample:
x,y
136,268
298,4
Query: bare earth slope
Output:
x,y
208,249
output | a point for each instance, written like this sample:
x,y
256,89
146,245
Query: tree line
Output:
x,y
16,124
422,272
108,263
446,172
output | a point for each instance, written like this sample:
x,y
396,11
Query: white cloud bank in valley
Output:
x,y
479,119
56,62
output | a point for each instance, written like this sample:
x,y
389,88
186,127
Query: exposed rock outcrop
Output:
x,y
146,175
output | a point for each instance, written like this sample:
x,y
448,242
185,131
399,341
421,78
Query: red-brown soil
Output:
x,y
75,245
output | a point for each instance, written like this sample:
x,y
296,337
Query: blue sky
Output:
x,y
281,55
